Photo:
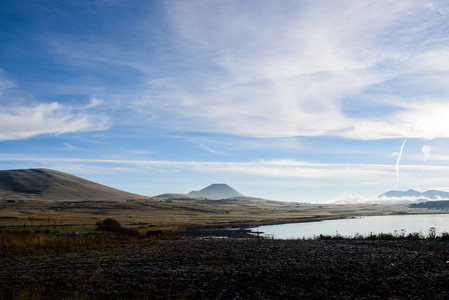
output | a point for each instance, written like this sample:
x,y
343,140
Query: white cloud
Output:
x,y
4,83
425,119
347,198
70,146
21,118
94,101
297,69
426,149
20,122
208,149
140,152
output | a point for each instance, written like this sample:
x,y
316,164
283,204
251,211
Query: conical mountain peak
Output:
x,y
217,191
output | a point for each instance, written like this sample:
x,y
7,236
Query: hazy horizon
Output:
x,y
299,101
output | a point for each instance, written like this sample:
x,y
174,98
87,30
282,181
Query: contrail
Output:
x,y
426,150
397,162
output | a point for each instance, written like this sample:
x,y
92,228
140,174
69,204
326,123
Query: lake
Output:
x,y
360,225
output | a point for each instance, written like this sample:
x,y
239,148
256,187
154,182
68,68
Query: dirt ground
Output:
x,y
236,269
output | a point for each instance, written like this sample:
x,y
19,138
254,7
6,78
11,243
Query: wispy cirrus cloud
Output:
x,y
209,149
308,69
4,83
22,118
20,122
359,70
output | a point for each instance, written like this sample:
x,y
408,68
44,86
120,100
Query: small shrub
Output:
x,y
444,236
109,225
432,233
415,236
324,237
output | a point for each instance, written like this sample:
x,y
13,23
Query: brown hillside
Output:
x,y
46,184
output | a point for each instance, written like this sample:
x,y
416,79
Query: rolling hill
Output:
x,y
46,184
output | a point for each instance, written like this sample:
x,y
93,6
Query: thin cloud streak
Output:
x,y
276,168
208,149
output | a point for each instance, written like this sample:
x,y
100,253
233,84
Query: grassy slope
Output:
x,y
46,184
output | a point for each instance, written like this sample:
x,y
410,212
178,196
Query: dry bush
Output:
x,y
109,225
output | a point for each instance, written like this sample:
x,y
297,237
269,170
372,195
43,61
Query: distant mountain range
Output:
x,y
217,191
430,194
46,184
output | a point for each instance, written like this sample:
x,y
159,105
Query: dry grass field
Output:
x,y
158,213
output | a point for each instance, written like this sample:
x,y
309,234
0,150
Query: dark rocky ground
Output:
x,y
236,269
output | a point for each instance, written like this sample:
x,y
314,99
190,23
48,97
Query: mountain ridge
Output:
x,y
430,194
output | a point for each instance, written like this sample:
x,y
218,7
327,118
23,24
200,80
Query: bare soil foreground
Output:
x,y
236,269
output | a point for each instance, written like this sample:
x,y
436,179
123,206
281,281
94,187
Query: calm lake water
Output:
x,y
359,225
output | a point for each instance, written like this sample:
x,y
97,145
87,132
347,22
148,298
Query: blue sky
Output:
x,y
304,101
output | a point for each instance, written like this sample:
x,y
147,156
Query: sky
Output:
x,y
301,101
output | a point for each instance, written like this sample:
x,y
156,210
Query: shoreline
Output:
x,y
243,230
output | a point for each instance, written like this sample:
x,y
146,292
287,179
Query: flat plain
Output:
x,y
153,212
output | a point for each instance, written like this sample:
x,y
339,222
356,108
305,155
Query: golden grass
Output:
x,y
14,243
25,242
